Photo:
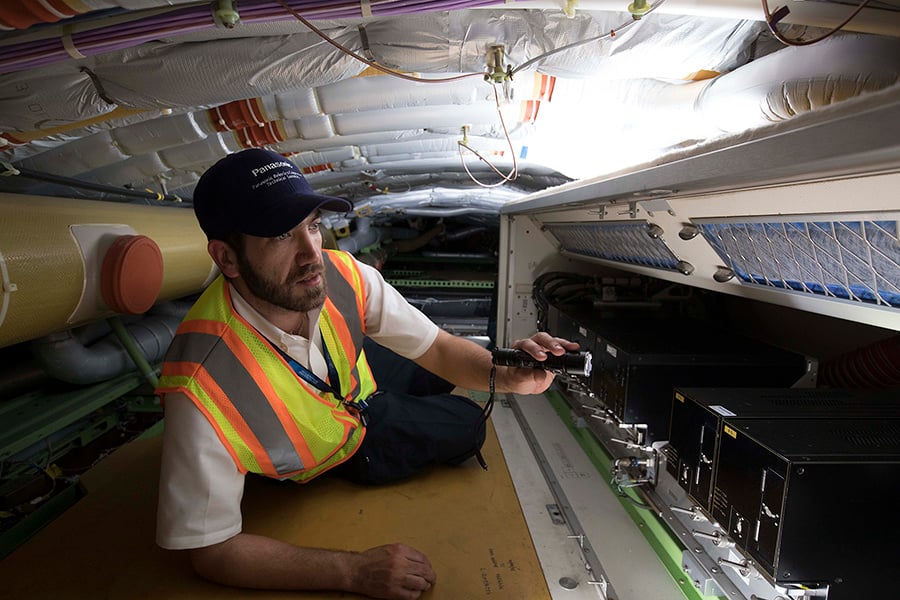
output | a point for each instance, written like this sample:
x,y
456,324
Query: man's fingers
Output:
x,y
541,345
417,583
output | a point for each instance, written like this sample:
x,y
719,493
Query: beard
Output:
x,y
285,295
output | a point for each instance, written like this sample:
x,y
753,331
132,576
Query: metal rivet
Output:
x,y
723,274
689,232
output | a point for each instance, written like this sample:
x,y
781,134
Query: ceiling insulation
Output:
x,y
145,95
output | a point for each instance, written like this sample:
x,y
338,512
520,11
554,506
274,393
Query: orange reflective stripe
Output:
x,y
270,420
222,438
348,420
347,291
237,346
202,326
229,410
243,354
220,400
340,329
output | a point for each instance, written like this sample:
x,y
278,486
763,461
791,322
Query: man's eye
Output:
x,y
283,236
314,226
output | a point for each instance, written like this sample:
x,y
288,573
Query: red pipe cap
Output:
x,y
132,274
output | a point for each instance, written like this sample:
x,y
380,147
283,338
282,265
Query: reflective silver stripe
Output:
x,y
343,296
242,392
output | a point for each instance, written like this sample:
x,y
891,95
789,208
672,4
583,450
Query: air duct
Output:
x,y
63,356
52,250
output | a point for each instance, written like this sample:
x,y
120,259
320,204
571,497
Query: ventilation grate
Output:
x,y
875,435
839,259
620,241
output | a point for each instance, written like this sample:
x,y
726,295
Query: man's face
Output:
x,y
286,271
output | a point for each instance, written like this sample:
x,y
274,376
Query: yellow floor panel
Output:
x,y
466,520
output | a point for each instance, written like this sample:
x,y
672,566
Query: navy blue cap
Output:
x,y
257,192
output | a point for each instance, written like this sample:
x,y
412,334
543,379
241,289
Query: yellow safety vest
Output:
x,y
272,421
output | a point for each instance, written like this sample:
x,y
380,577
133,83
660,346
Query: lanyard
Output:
x,y
335,387
313,379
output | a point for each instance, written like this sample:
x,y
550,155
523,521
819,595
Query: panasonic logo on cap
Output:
x,y
269,167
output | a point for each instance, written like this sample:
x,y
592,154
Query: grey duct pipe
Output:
x,y
66,358
464,233
409,242
366,235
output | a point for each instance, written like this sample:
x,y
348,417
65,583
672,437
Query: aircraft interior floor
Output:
x,y
501,533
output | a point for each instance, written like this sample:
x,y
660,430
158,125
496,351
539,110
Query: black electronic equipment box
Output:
x,y
638,361
698,414
813,501
569,325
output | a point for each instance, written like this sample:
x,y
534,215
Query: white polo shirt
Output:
x,y
200,487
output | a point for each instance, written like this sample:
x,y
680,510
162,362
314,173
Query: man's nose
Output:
x,y
307,245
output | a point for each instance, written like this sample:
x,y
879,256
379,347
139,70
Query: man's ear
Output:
x,y
224,257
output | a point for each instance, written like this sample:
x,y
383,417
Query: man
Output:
x,y
267,375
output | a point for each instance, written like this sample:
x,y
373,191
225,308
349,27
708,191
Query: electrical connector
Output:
x,y
639,8
496,71
226,14
464,130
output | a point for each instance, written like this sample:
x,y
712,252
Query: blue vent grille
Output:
x,y
850,260
627,242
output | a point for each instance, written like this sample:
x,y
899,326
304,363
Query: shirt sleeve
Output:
x,y
200,488
392,321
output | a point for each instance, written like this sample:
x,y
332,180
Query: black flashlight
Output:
x,y
572,363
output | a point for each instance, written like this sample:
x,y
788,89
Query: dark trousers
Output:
x,y
408,432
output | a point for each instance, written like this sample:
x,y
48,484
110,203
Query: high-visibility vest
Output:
x,y
272,421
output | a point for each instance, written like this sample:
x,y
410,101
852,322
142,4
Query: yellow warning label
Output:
x,y
730,431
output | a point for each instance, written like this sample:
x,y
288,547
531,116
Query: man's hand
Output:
x,y
468,365
393,571
533,381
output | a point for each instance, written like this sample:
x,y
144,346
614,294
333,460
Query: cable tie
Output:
x,y
69,44
779,14
8,169
364,42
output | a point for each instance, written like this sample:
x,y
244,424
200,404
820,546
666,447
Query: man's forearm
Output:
x,y
468,365
253,561
459,361
393,571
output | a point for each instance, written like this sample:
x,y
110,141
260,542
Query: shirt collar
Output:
x,y
263,325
